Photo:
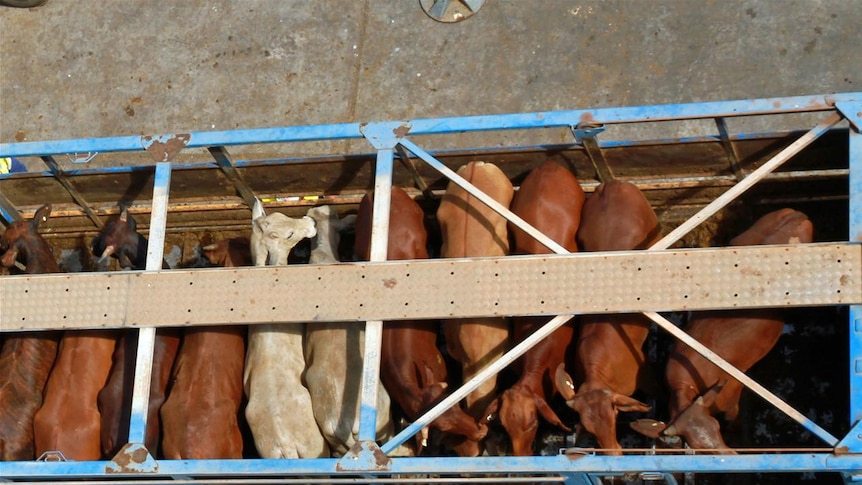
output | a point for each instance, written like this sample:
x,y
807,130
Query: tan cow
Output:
x,y
470,228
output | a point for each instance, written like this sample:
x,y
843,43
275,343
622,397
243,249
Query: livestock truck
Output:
x,y
801,412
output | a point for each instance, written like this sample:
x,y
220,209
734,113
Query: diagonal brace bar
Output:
x,y
747,182
222,158
493,204
469,386
76,196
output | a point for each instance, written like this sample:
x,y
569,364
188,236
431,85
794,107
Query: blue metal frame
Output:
x,y
846,457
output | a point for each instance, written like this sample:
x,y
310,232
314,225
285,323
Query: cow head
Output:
x,y
598,409
229,252
324,247
120,239
519,409
454,420
694,424
22,238
273,236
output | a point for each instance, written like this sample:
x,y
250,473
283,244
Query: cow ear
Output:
x,y
427,378
549,414
309,226
257,225
628,404
41,216
565,385
257,210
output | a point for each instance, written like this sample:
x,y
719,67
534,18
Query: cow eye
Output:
x,y
273,235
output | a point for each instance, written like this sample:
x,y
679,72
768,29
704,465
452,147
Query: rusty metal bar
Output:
x,y
76,196
729,148
222,158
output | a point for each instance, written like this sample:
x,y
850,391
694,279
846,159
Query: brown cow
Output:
x,y
412,368
699,389
550,199
69,419
610,360
26,358
120,239
470,228
200,415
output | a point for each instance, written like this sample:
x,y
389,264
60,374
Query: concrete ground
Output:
x,y
73,69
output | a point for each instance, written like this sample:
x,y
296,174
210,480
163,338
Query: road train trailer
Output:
x,y
187,187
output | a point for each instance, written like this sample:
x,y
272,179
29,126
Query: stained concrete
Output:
x,y
73,69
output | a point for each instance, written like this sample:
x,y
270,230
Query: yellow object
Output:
x,y
5,165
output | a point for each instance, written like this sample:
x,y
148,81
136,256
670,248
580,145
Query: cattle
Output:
x,y
412,368
333,354
120,239
700,390
470,228
26,358
279,408
200,415
69,420
609,354
549,199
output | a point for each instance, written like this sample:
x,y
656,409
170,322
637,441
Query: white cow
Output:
x,y
334,351
279,406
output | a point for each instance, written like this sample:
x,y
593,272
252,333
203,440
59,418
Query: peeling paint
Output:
x,y
165,148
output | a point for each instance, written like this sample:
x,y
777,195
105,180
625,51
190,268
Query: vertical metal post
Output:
x,y
853,112
147,335
374,328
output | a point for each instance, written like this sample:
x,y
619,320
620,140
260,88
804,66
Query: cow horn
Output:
x,y
565,385
10,258
109,250
651,428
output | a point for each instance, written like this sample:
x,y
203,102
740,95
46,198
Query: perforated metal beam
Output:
x,y
693,279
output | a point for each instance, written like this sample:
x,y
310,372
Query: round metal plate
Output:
x,y
451,10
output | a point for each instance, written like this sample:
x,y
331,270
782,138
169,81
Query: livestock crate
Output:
x,y
187,188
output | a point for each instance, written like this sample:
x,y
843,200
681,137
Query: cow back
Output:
x,y
207,380
469,227
550,199
617,217
25,358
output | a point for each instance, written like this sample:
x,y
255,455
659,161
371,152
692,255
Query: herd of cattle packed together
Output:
x,y
296,387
